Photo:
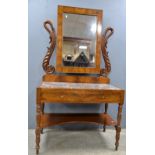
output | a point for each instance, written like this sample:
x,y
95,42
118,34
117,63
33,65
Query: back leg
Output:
x,y
106,109
42,112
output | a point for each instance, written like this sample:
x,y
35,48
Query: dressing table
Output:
x,y
80,43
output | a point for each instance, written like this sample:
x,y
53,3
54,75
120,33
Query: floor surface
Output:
x,y
93,142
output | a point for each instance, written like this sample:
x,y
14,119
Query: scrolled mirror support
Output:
x,y
104,41
46,67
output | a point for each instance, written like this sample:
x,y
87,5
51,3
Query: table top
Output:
x,y
68,85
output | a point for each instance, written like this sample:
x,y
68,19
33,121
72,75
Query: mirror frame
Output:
x,y
81,11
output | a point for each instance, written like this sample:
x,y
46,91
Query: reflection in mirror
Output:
x,y
79,40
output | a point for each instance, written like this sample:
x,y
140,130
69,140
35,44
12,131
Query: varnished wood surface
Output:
x,y
76,79
83,96
105,112
107,34
57,119
82,11
118,126
73,95
46,66
80,96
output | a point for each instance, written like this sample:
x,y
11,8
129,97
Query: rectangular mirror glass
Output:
x,y
79,40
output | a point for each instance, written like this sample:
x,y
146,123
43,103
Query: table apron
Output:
x,y
80,96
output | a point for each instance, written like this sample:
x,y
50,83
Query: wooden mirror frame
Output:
x,y
81,11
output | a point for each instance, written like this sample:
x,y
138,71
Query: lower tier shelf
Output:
x,y
56,119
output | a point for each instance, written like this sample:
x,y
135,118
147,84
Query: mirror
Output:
x,y
79,40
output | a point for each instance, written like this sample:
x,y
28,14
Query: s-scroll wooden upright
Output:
x,y
46,67
106,35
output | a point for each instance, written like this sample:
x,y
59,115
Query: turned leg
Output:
x,y
118,126
38,119
42,112
106,109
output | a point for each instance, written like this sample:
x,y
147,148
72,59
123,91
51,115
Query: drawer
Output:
x,y
79,96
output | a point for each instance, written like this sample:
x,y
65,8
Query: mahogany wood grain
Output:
x,y
76,79
118,126
57,119
105,112
81,11
77,96
46,66
47,95
86,96
42,112
72,96
107,34
38,122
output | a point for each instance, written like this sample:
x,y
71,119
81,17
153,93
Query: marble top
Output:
x,y
68,85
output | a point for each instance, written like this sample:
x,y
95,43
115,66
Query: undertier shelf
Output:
x,y
56,119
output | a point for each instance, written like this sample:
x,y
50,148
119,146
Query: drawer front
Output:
x,y
79,96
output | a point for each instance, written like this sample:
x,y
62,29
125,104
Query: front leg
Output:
x,y
38,128
118,126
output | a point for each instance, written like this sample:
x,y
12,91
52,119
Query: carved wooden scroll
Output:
x,y
46,67
107,34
